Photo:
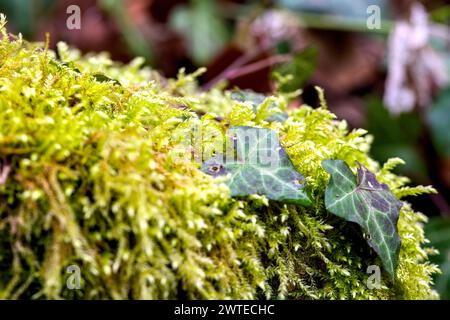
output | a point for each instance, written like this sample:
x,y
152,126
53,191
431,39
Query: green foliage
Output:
x,y
438,231
132,36
368,203
203,26
96,180
439,120
298,71
396,136
260,166
441,14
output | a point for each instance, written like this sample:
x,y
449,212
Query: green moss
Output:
x,y
97,181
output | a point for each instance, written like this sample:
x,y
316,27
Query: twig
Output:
x,y
239,68
259,65
239,62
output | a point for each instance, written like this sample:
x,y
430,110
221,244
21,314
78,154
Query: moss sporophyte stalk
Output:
x,y
91,175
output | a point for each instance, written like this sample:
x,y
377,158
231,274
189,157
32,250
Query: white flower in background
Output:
x,y
415,70
275,26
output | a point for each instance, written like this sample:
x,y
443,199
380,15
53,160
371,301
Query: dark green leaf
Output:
x,y
259,165
441,14
370,204
396,136
438,232
439,119
21,14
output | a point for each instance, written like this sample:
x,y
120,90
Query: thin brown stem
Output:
x,y
238,63
256,66
242,60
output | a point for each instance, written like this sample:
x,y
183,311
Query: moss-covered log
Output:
x,y
93,177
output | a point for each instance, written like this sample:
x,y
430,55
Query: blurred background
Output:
x,y
384,65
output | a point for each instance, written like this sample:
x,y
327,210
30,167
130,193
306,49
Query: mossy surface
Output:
x,y
97,181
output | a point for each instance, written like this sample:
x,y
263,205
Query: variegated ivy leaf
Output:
x,y
256,100
370,204
258,164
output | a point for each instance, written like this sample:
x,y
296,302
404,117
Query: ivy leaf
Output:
x,y
256,100
368,203
258,164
